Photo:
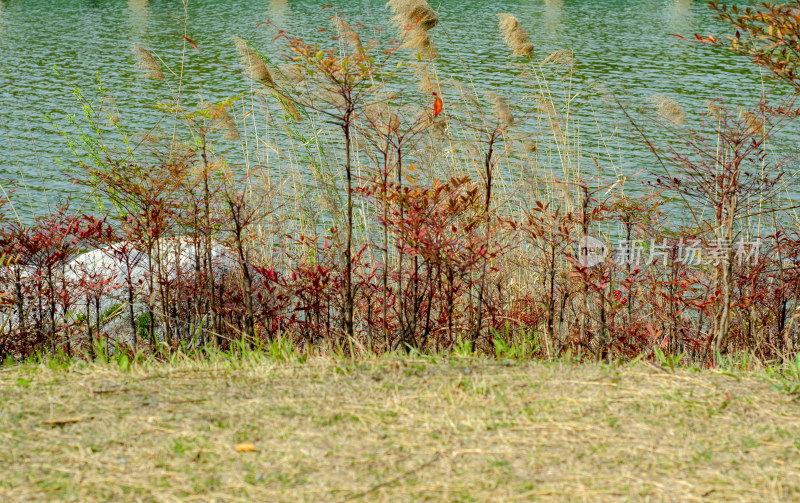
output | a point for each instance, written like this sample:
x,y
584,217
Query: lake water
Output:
x,y
47,47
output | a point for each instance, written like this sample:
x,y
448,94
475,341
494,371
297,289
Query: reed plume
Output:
x,y
254,65
348,34
145,61
146,138
382,119
330,96
415,18
291,74
288,106
378,96
221,119
713,109
258,71
433,126
501,108
561,57
467,101
554,117
606,95
111,110
753,123
668,109
515,35
563,60
426,85
530,147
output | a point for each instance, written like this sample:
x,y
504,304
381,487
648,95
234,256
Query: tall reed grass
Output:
x,y
354,199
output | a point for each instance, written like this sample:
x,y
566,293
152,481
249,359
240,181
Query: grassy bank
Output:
x,y
395,430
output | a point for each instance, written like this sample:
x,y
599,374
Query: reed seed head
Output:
x,y
563,60
330,96
501,108
109,107
753,123
713,109
426,81
221,119
290,74
668,109
606,95
153,137
415,18
530,147
287,105
145,61
515,35
348,34
382,119
254,65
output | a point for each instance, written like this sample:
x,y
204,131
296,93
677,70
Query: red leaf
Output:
x,y
191,42
438,105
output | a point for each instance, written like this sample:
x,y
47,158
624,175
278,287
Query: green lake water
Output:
x,y
48,47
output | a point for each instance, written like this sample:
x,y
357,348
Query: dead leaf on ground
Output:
x,y
245,447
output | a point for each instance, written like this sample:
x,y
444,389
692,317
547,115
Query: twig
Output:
x,y
395,479
66,420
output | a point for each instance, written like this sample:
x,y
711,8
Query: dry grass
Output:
x,y
395,430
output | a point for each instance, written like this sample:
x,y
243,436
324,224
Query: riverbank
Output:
x,y
394,430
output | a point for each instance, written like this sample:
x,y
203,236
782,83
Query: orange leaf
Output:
x,y
438,105
245,447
